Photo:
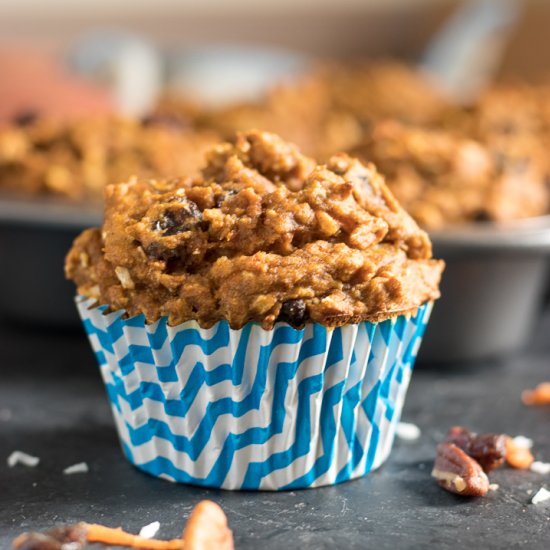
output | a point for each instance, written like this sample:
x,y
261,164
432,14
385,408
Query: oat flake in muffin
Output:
x,y
264,234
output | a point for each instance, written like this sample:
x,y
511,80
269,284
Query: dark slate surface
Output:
x,y
49,385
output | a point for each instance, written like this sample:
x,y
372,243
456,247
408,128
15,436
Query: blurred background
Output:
x,y
448,98
345,28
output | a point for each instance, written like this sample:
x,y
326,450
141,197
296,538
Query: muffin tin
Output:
x,y
35,235
492,289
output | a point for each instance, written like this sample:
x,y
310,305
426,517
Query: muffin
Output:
x,y
76,159
256,326
386,88
444,178
301,111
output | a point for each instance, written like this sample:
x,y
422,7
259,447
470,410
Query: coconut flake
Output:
x,y
494,487
124,277
407,431
80,468
542,495
19,457
522,442
71,546
540,467
149,531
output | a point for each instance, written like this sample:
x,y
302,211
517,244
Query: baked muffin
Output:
x,y
443,178
328,108
302,111
376,90
76,159
264,289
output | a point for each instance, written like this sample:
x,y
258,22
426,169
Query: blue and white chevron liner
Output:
x,y
254,408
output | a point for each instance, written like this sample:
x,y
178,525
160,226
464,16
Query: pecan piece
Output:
x,y
207,528
459,473
55,538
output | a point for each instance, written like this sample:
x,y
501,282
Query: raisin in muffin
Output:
x,y
263,234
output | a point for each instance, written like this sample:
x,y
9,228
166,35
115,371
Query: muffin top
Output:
x,y
76,159
444,178
264,234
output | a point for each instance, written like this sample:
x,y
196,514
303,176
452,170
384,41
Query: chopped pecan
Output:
x,y
459,473
207,528
36,541
55,538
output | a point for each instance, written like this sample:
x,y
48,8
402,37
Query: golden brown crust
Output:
x,y
264,235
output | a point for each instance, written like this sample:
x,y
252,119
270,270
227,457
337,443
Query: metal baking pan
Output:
x,y
493,289
35,236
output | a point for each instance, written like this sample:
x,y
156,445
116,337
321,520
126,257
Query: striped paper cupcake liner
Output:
x,y
253,408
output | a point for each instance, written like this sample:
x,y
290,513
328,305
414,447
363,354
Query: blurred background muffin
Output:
x,y
75,159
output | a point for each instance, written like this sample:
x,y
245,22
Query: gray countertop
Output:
x,y
52,405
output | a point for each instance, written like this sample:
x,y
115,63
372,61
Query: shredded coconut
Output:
x,y
542,495
80,468
523,442
494,487
19,457
149,531
124,277
540,467
407,431
71,546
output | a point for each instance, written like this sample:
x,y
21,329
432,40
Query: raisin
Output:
x,y
25,118
489,450
177,220
293,312
167,223
460,436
